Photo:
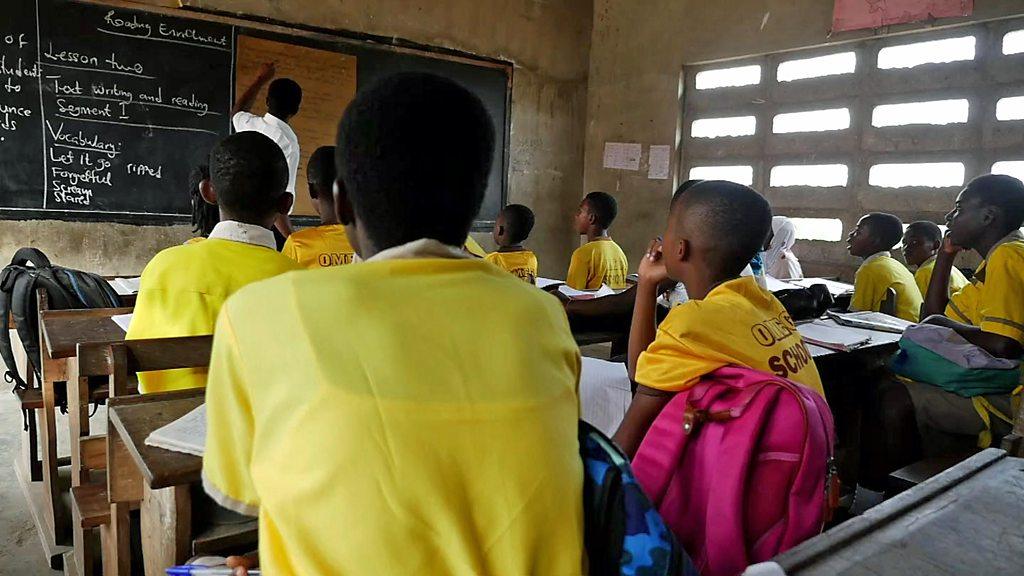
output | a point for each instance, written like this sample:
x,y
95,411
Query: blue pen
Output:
x,y
196,570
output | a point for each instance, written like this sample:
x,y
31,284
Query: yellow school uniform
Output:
x,y
738,323
923,277
194,240
994,300
183,288
877,274
473,247
598,262
319,247
522,263
379,444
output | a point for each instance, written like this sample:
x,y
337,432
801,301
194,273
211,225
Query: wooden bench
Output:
x,y
158,481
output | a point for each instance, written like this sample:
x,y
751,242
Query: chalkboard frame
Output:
x,y
339,40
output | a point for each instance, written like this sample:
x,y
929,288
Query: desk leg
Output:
x,y
53,371
78,420
30,447
116,543
166,528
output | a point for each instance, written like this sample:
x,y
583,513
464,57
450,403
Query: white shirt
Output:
x,y
277,130
244,233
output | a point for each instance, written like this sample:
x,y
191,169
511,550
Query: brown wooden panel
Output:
x,y
328,81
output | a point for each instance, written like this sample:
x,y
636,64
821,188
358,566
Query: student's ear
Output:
x,y
342,205
681,252
989,215
207,192
501,230
284,202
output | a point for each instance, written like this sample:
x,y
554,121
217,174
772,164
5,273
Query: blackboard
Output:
x,y
105,109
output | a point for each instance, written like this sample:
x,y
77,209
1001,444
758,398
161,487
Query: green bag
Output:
x,y
920,364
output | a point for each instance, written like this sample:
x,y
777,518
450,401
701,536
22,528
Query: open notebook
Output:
x,y
186,434
125,286
836,288
586,294
871,321
828,335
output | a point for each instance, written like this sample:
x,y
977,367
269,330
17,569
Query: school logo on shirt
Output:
x,y
773,333
524,274
327,259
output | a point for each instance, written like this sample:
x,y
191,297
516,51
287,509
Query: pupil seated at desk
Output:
x,y
911,419
714,229
875,235
921,244
183,287
600,260
325,245
377,440
511,229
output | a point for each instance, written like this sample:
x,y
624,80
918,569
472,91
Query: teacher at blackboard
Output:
x,y
284,96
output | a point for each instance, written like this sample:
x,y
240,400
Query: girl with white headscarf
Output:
x,y
779,260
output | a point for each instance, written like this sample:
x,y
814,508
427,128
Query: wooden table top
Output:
x,y
135,422
64,330
967,520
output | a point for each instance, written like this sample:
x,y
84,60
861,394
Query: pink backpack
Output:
x,y
740,467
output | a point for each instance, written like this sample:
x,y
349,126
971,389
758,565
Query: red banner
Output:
x,y
859,14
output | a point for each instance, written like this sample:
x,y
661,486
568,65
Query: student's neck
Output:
x,y
329,220
269,225
281,117
987,242
512,248
596,235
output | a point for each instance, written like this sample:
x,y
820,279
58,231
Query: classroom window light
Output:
x,y
723,127
936,112
831,65
931,52
827,229
812,121
924,174
1010,108
821,175
728,77
1013,168
1013,42
738,174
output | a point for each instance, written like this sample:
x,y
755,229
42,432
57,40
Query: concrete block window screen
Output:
x,y
892,123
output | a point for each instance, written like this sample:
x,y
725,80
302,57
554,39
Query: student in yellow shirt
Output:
x,y
921,243
875,235
714,229
327,244
915,417
600,260
378,443
510,231
183,288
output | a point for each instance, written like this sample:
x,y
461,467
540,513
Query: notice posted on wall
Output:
x,y
659,160
622,156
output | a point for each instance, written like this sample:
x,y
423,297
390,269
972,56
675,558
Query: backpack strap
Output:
x,y
30,255
11,375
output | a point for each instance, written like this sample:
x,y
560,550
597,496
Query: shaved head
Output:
x,y
726,224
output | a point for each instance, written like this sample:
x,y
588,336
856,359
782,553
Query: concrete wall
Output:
x,y
548,40
638,50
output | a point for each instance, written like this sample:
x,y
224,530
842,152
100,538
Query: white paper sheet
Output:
x,y
622,156
125,286
545,282
605,393
659,160
603,291
122,320
836,288
828,334
776,285
186,434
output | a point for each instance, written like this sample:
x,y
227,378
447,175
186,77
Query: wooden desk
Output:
x,y
60,331
966,520
165,476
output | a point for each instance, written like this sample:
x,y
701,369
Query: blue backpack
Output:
x,y
624,535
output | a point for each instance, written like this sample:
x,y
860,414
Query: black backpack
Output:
x,y
65,289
